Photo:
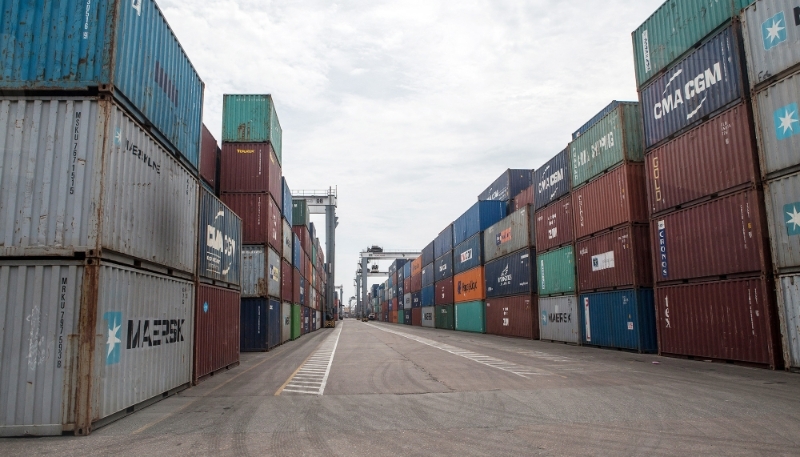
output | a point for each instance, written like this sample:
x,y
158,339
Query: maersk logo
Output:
x,y
113,342
792,213
773,31
544,318
787,123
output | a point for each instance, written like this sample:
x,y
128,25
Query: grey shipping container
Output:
x,y
220,256
789,304
407,302
286,322
771,39
136,347
778,126
468,254
551,181
510,183
78,175
560,320
287,236
782,197
511,234
261,272
428,316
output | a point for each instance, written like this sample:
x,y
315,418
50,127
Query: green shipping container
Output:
x,y
251,119
555,272
300,215
617,137
401,317
297,321
471,317
675,28
445,317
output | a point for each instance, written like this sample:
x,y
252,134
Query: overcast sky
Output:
x,y
412,108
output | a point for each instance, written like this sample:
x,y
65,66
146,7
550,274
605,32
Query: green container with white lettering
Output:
x,y
445,317
617,137
471,316
555,272
297,321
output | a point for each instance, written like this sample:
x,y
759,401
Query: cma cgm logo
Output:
x,y
787,123
773,30
141,333
792,215
466,255
693,88
467,287
503,237
550,181
219,244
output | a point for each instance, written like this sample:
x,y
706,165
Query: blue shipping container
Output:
x,y
287,202
427,254
297,253
125,47
407,316
620,319
399,289
260,324
510,275
704,82
468,254
509,184
443,267
306,320
220,254
416,299
594,120
407,270
426,296
478,218
375,289
427,275
302,290
443,242
551,181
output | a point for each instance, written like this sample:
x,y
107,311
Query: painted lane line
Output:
x,y
312,375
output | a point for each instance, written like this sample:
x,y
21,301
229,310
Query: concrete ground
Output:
x,y
401,390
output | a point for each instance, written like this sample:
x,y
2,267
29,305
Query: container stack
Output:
x,y
714,295
302,229
100,202
209,161
443,313
288,259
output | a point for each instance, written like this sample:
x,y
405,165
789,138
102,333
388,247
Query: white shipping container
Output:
x,y
287,241
141,342
78,175
406,302
789,304
559,319
778,125
771,38
782,198
428,316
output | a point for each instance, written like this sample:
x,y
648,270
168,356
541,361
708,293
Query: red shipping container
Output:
x,y
393,317
416,284
216,334
393,304
717,155
522,199
728,320
261,218
416,317
296,286
443,292
309,268
616,259
287,281
554,225
724,236
616,198
250,168
407,285
208,158
513,316
307,293
305,237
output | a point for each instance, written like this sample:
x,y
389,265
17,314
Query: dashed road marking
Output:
x,y
312,376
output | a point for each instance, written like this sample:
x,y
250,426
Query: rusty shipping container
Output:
x,y
522,199
616,259
613,199
716,156
216,334
469,286
782,196
415,285
416,317
208,158
261,272
261,218
443,292
250,168
305,237
220,241
512,233
722,237
513,316
553,225
416,266
726,320
789,311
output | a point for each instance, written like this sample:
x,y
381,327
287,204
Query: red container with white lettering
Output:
x,y
553,225
515,316
617,259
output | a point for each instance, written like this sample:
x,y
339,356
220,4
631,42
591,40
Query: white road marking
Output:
x,y
312,376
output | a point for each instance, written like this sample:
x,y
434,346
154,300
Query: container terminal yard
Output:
x,y
164,288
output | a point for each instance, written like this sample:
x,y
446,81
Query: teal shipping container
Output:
x,y
555,271
122,47
471,317
622,319
251,118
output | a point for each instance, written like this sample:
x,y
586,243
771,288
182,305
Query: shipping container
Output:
x,y
523,199
261,272
443,267
478,218
216,333
426,295
287,208
469,254
297,321
470,317
286,322
416,317
674,28
555,272
508,184
415,285
427,254
427,275
260,324
789,309
510,275
469,286
702,83
613,199
724,236
416,300
614,139
123,48
428,314
297,288
393,317
443,292
512,316
208,158
416,266
401,316
595,119
287,284
619,259
508,235
445,317
770,39
80,176
782,196
318,320
250,168
287,237
551,181
220,250
559,320
553,225
777,126
261,218
727,320
407,301
407,270
621,319
297,253
46,386
443,242
713,157
306,329
251,118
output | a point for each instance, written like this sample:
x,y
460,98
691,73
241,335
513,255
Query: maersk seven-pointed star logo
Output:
x,y
544,317
113,343
787,123
792,214
773,31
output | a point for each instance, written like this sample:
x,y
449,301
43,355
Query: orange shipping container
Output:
x,y
469,286
416,266
393,317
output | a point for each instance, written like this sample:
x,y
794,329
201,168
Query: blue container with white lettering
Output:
x,y
220,250
622,319
443,267
468,254
297,253
509,184
704,83
302,290
260,324
443,242
407,316
510,275
478,218
426,296
427,275
122,47
287,202
551,181
416,299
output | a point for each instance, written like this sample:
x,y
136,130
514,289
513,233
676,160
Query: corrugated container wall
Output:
x,y
416,317
468,254
428,314
523,199
512,316
470,317
620,319
560,319
789,303
260,324
553,225
251,119
208,158
286,322
782,197
551,181
216,334
427,275
555,271
261,272
617,259
443,292
594,120
287,208
508,235
443,242
445,317
300,213
287,281
510,275
510,183
261,218
613,199
675,28
427,254
287,237
705,81
426,296
220,255
614,139
250,168
443,267
297,252
477,219
125,48
469,286
79,175
777,127
768,54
